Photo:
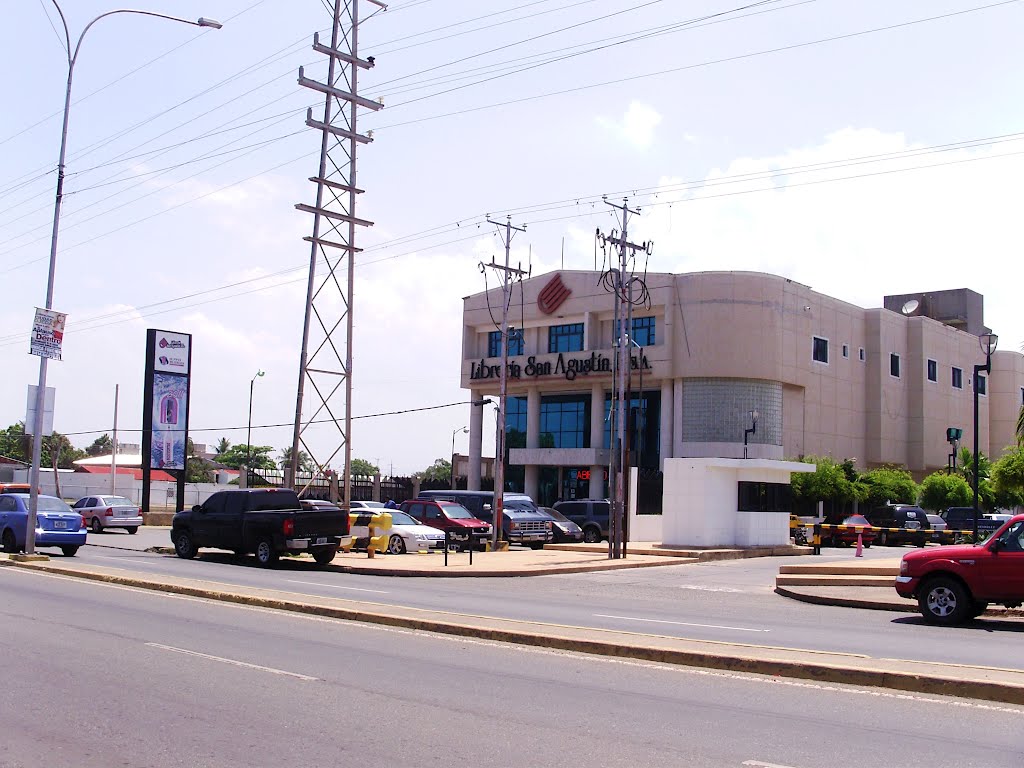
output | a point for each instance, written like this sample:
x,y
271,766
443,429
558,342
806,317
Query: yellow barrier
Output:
x,y
374,521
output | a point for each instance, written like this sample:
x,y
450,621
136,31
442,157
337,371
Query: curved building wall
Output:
x,y
716,412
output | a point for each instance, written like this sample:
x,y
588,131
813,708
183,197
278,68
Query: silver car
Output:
x,y
100,512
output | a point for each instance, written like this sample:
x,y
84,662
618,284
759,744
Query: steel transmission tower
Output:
x,y
325,364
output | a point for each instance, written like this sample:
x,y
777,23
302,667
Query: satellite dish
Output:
x,y
910,307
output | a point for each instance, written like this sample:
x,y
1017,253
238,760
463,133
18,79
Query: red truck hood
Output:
x,y
955,552
468,522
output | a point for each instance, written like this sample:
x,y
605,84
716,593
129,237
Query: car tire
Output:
x,y
324,556
396,545
867,545
944,600
132,529
883,539
184,547
69,551
10,544
591,535
96,526
536,545
977,608
266,555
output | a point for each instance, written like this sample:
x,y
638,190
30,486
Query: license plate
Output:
x,y
322,540
60,524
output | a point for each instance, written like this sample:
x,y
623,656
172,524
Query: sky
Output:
x,y
861,147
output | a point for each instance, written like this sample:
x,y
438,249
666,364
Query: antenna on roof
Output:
x,y
910,307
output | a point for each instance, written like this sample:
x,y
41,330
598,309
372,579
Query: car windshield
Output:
x,y
51,504
555,514
116,501
521,504
400,518
371,505
455,511
856,520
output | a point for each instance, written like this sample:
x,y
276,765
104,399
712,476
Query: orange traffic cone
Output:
x,y
860,544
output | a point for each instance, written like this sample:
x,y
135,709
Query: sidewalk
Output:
x,y
986,683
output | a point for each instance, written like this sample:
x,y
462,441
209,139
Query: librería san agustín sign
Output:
x,y
569,367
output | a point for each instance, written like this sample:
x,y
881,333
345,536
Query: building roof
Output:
x,y
123,460
136,473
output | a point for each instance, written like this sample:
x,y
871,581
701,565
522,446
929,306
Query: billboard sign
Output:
x,y
47,333
172,352
170,408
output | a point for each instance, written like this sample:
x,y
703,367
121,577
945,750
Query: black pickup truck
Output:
x,y
962,519
264,521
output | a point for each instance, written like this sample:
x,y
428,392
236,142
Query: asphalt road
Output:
x,y
730,601
98,675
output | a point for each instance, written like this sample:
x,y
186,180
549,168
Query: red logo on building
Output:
x,y
552,295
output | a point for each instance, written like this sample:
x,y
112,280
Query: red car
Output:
x,y
955,583
446,515
847,536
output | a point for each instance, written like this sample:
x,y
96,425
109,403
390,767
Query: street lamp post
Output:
x,y
464,430
37,428
248,432
751,431
988,343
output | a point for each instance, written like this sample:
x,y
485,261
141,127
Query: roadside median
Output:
x,y
986,683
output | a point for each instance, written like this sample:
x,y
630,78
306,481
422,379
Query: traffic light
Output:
x,y
953,434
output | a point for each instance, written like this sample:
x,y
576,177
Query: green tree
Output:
x,y
1020,426
237,455
305,463
1008,479
197,469
14,444
828,482
889,484
101,446
966,467
440,470
222,446
940,490
364,468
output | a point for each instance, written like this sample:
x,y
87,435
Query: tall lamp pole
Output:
x,y
248,432
988,343
464,430
37,427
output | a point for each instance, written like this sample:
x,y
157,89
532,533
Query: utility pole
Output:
x,y
621,286
325,360
508,275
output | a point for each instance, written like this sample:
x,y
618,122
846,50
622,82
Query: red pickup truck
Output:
x,y
955,583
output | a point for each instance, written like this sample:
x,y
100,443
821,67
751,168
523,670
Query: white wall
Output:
x,y
75,485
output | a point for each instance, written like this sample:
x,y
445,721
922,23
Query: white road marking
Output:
x,y
707,589
759,764
338,586
679,623
236,663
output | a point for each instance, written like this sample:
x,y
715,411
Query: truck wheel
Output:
x,y
266,555
9,542
944,601
591,535
978,608
184,547
324,556
396,545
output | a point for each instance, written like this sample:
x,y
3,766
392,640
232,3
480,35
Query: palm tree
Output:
x,y
305,463
222,446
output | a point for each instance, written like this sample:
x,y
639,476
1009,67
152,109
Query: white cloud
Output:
x,y
636,126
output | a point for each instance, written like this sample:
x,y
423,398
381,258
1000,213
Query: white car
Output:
x,y
407,534
99,512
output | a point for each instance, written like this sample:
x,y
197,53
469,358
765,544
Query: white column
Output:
x,y
597,490
531,482
476,425
667,423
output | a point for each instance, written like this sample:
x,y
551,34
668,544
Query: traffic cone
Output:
x,y
860,544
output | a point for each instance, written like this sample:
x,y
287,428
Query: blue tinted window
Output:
x,y
564,421
515,343
643,331
565,338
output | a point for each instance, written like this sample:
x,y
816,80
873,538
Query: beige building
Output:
x,y
826,378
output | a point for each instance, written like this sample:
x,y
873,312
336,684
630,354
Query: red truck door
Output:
x,y
1001,572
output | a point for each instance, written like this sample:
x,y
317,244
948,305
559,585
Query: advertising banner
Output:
x,y
170,408
171,354
47,333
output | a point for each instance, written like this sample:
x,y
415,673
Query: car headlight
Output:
x,y
904,568
421,536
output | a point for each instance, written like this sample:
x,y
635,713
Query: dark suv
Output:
x,y
910,521
592,515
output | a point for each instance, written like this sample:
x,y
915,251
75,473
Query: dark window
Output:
x,y
416,510
894,365
846,350
933,371
765,497
515,343
958,379
860,352
215,503
643,331
433,513
515,422
1022,395
819,349
565,338
8,504
564,421
982,385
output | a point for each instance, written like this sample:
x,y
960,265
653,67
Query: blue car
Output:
x,y
57,525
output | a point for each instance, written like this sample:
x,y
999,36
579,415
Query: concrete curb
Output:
x,y
734,662
846,602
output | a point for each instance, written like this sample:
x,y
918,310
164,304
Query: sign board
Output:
x,y
30,410
172,352
47,333
170,409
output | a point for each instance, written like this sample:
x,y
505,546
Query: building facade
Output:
x,y
826,378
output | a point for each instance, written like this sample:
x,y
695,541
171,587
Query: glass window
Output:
x,y
764,497
846,350
958,379
861,354
982,385
933,371
643,331
565,421
894,365
515,343
565,338
8,504
819,350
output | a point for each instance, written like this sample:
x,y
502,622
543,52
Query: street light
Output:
x,y
748,432
30,538
248,433
988,343
463,430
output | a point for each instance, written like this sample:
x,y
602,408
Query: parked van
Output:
x,y
521,522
